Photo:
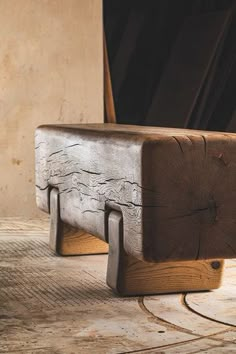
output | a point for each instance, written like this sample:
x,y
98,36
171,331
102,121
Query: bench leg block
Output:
x,y
68,241
129,276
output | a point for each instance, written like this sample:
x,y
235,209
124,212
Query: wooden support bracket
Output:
x,y
66,240
127,275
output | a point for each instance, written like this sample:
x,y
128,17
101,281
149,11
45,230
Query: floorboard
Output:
x,y
51,304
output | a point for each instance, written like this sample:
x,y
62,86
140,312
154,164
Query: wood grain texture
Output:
x,y
172,309
221,307
204,345
66,240
81,243
128,276
108,91
53,304
175,188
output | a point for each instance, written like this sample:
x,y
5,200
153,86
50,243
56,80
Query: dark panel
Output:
x,y
187,69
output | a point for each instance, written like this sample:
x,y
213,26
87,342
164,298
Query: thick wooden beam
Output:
x,y
175,188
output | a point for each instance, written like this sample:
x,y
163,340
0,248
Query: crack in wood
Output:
x,y
54,153
73,145
173,177
205,144
42,188
92,172
179,143
190,139
198,246
89,211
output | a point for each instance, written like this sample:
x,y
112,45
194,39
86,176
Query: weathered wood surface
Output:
x,y
175,188
55,304
67,241
127,275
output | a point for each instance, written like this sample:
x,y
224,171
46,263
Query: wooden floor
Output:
x,y
50,304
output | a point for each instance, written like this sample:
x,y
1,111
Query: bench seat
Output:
x,y
173,190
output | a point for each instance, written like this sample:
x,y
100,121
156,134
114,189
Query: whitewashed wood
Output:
x,y
83,166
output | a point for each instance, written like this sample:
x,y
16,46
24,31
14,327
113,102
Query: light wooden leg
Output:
x,y
127,275
66,240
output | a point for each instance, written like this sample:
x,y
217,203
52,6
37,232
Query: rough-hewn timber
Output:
x,y
175,188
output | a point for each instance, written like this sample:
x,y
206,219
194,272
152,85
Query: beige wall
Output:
x,y
50,72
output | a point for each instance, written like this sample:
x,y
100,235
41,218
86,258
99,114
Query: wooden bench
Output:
x,y
163,199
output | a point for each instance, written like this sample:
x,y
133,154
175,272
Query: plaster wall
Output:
x,y
51,71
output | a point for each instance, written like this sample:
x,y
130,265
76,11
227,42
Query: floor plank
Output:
x,y
219,305
51,304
